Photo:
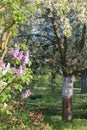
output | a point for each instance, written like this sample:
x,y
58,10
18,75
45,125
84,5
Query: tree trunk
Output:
x,y
84,82
67,92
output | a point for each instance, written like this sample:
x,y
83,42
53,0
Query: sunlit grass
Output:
x,y
50,104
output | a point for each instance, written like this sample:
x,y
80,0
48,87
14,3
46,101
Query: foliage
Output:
x,y
37,121
13,78
13,74
49,106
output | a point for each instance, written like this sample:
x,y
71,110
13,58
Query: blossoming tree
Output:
x,y
66,20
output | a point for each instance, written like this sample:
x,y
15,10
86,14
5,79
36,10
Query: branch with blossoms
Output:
x,y
25,94
14,76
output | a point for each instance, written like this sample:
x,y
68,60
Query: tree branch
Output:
x,y
65,50
4,44
48,59
56,32
80,47
80,70
37,35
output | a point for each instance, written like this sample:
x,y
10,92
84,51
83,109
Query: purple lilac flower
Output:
x,y
26,53
14,52
26,94
20,71
20,55
25,58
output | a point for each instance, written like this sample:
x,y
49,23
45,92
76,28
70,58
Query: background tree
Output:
x,y
84,81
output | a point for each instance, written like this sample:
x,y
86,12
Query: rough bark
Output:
x,y
67,93
84,82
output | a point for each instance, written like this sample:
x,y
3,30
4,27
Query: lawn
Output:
x,y
48,103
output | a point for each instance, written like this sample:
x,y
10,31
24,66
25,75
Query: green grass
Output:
x,y
50,105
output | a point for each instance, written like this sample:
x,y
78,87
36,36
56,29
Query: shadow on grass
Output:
x,y
50,105
57,124
80,111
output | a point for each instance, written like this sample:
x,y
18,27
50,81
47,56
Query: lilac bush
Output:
x,y
14,77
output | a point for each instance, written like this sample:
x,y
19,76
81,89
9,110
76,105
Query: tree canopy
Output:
x,y
61,27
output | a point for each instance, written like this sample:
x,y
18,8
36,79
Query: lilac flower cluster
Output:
x,y
22,56
25,58
14,52
26,94
19,71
